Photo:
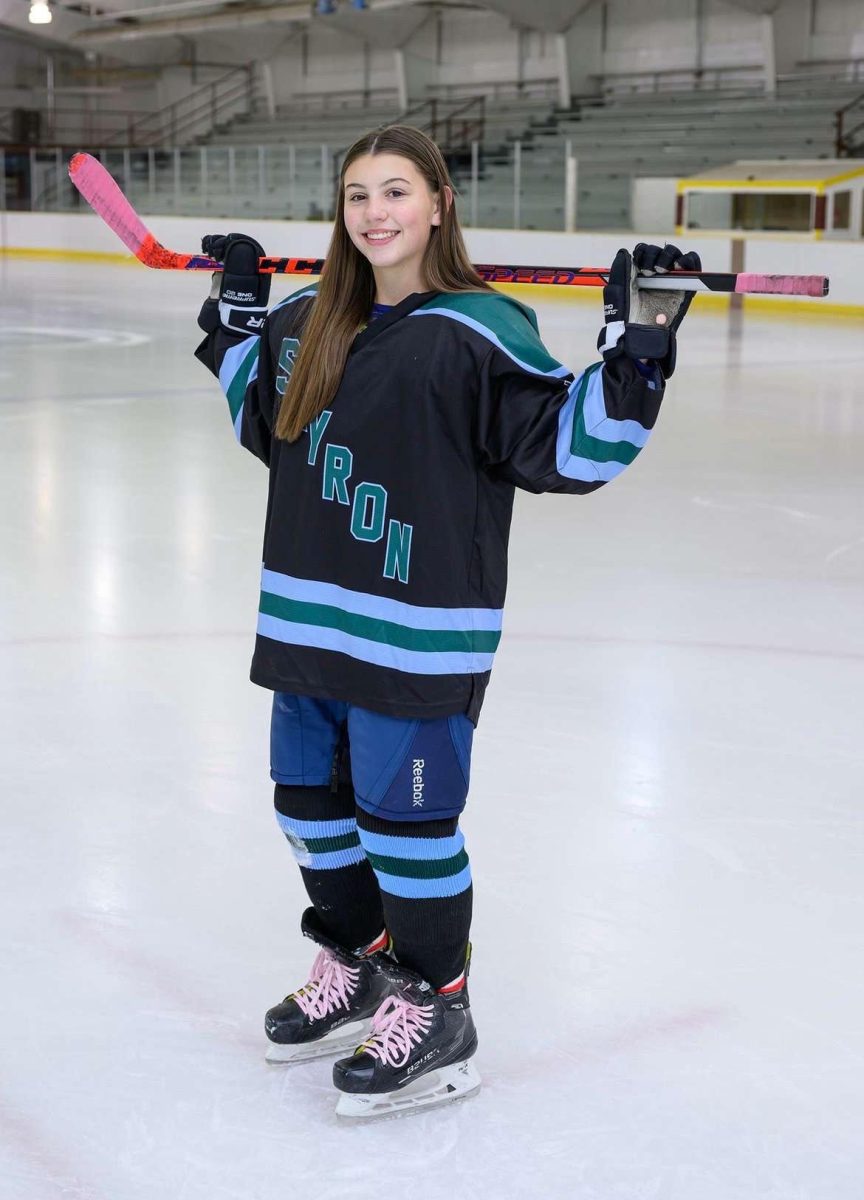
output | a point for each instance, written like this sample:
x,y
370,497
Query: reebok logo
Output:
x,y
419,764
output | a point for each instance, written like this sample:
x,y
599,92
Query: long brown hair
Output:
x,y
347,286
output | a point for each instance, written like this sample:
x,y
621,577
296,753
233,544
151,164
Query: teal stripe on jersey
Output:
x,y
366,604
505,323
592,447
375,629
429,641
381,654
237,366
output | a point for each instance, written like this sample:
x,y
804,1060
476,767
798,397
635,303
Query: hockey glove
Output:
x,y
243,293
640,322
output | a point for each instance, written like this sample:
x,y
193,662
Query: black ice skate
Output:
x,y
417,1055
334,1008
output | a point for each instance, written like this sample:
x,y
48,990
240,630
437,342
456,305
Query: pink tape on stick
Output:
x,y
782,285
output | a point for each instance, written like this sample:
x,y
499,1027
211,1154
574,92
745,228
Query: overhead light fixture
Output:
x,y
40,13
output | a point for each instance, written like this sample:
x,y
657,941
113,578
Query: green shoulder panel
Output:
x,y
503,321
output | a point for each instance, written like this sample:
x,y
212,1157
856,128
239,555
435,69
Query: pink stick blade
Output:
x,y
782,285
107,201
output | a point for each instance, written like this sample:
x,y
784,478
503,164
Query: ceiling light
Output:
x,y
40,13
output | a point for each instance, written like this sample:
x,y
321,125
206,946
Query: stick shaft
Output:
x,y
107,200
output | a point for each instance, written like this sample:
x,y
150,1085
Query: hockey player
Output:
x,y
398,404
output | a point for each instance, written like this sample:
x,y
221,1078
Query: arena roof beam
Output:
x,y
234,16
160,21
546,16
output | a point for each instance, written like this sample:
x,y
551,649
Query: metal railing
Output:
x,y
194,115
453,124
72,123
284,182
849,142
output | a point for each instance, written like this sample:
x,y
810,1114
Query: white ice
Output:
x,y
665,820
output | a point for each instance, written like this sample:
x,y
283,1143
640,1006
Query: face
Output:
x,y
389,212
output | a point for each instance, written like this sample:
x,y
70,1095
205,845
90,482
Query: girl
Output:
x,y
398,404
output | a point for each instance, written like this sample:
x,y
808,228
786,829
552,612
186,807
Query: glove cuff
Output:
x,y
241,319
647,341
208,318
652,342
608,343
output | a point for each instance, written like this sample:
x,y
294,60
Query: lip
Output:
x,y
368,231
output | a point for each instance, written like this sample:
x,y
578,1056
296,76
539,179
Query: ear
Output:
x,y
448,200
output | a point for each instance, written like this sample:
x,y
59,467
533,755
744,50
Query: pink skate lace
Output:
x,y
330,986
396,1027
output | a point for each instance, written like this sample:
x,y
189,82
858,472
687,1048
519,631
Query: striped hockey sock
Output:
x,y
425,880
321,829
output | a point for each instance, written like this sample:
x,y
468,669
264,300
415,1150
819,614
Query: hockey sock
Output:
x,y
425,880
321,828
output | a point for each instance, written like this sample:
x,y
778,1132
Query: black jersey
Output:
x,y
385,543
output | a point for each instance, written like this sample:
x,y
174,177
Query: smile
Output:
x,y
386,236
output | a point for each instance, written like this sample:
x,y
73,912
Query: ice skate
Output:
x,y
417,1055
334,1008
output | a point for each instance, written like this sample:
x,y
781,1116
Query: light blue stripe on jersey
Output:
x,y
364,604
395,658
558,372
308,291
423,849
234,372
424,889
586,393
597,423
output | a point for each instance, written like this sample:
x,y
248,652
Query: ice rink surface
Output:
x,y
665,819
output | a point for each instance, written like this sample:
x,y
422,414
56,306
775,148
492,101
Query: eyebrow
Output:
x,y
395,179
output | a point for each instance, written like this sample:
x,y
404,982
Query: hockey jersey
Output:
x,y
385,541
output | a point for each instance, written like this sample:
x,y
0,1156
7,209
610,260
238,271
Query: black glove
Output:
x,y
631,313
243,293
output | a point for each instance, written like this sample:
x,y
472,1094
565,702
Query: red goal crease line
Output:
x,y
106,199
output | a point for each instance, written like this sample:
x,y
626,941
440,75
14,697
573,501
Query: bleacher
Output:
x,y
652,134
285,166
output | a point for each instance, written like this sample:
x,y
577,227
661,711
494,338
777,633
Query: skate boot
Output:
x,y
417,1055
334,1008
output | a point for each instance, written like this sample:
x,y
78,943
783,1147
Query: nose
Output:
x,y
376,210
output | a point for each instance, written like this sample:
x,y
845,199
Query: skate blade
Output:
x,y
456,1082
347,1037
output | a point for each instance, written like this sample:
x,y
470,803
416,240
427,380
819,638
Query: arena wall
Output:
x,y
82,236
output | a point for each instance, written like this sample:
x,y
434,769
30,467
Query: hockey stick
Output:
x,y
107,200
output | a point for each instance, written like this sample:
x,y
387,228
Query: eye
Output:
x,y
395,192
